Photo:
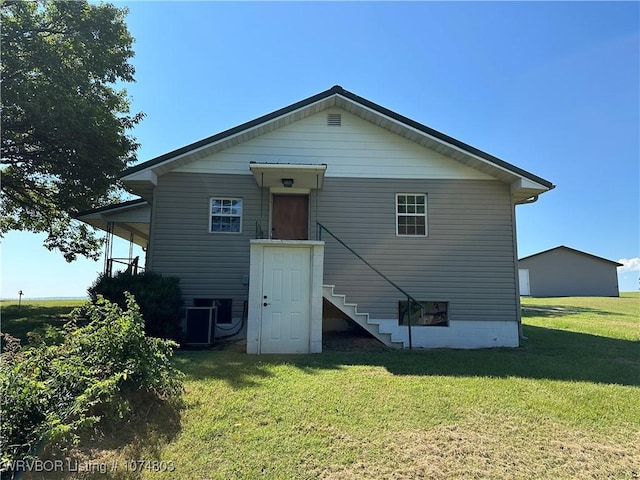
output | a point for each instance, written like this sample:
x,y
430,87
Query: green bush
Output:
x,y
159,298
52,392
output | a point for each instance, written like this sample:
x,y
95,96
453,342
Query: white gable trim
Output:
x,y
459,152
228,141
357,149
490,168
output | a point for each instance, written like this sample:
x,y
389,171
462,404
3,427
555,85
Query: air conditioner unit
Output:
x,y
201,325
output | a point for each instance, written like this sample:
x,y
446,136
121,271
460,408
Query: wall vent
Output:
x,y
334,119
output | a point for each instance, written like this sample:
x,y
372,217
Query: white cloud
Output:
x,y
629,265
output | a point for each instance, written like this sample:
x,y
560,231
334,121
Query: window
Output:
x,y
411,214
427,314
226,215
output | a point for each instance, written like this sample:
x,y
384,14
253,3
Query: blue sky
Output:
x,y
552,87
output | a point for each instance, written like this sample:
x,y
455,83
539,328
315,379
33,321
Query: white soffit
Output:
x,y
142,176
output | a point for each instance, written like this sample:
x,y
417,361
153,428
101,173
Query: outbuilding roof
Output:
x,y
562,247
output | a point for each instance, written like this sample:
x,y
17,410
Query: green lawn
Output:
x,y
33,315
565,405
602,316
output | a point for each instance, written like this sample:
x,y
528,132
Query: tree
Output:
x,y
64,122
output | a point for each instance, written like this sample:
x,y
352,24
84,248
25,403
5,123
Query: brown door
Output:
x,y
290,219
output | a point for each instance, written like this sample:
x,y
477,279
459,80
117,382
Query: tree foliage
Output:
x,y
64,122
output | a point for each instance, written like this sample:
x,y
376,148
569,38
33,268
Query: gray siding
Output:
x,y
565,273
209,265
467,259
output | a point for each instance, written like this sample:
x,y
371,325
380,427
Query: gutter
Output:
x,y
534,198
527,201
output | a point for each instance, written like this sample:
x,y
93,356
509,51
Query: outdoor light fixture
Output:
x,y
287,182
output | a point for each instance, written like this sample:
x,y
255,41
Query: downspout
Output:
x,y
526,201
516,271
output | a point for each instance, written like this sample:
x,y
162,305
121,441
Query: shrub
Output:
x,y
159,298
54,391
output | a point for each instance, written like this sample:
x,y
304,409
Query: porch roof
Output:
x,y
288,175
130,220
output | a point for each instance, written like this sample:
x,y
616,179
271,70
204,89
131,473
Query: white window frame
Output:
x,y
225,215
405,214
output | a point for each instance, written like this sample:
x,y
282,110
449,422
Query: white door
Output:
x,y
286,307
523,275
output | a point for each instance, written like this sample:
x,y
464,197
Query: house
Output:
x,y
335,204
566,272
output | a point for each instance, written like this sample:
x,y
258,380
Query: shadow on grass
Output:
x,y
17,322
557,311
238,369
119,445
546,354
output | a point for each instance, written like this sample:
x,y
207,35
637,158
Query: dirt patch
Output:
x,y
507,452
331,342
351,341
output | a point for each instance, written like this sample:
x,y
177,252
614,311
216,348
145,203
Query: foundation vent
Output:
x,y
334,119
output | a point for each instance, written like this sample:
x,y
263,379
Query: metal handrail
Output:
x,y
409,297
259,231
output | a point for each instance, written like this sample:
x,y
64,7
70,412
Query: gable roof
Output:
x,y
562,247
525,182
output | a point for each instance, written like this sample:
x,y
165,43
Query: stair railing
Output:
x,y
259,231
410,299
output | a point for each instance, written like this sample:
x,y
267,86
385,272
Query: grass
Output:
x,y
566,404
34,315
607,317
